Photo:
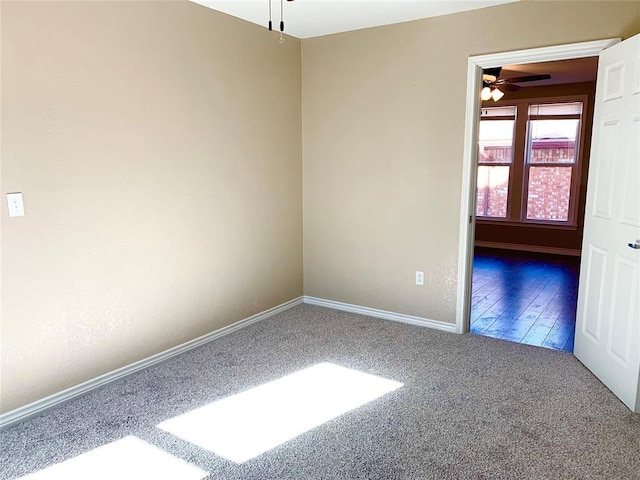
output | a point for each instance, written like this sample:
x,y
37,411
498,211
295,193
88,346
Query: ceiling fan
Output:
x,y
491,81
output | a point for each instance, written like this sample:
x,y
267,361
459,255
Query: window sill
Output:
x,y
549,226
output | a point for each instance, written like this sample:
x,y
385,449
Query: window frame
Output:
x,y
500,164
519,173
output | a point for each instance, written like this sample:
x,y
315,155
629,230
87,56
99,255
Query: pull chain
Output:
x,y
281,16
281,40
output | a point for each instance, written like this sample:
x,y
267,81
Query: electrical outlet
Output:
x,y
15,205
419,278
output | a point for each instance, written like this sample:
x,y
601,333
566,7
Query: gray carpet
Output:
x,y
471,407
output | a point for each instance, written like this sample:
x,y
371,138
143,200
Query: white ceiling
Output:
x,y
313,18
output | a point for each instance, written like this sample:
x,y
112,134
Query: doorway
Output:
x,y
469,174
534,143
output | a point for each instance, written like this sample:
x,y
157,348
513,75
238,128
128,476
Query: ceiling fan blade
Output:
x,y
510,87
529,78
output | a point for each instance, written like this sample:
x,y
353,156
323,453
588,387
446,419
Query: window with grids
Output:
x,y
553,132
528,162
495,156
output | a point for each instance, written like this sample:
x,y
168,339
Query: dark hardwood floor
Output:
x,y
525,297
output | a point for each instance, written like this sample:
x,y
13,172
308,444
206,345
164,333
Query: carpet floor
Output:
x,y
470,407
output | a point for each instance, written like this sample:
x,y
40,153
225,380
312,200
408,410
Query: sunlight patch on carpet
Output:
x,y
252,422
126,459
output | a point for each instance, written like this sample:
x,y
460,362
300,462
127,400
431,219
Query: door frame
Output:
x,y
469,167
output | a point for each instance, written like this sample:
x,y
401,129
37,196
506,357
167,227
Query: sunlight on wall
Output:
x,y
248,424
126,459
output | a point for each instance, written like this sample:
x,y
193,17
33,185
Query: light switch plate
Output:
x,y
15,205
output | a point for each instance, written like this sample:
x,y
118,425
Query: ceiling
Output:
x,y
314,18
562,71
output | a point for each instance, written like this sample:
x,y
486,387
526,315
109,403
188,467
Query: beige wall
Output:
x,y
383,129
158,149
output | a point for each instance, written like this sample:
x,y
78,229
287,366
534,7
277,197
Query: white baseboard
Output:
x,y
374,312
40,406
574,252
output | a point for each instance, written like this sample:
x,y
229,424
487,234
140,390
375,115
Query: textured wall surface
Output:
x,y
158,146
383,130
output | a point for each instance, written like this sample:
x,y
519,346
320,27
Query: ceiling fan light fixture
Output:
x,y
496,94
485,94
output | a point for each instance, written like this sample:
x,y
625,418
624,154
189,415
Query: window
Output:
x,y
552,138
528,162
495,155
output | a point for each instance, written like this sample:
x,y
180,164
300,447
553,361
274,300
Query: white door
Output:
x,y
608,317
